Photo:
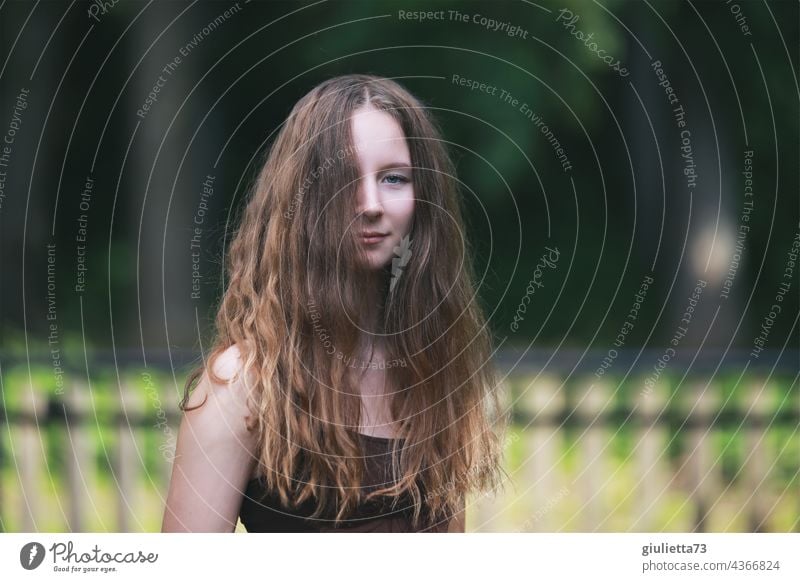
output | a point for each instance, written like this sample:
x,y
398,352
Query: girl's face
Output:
x,y
385,199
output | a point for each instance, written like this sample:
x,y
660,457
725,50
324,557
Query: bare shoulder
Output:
x,y
227,399
230,363
215,453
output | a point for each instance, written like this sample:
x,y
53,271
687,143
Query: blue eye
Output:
x,y
399,177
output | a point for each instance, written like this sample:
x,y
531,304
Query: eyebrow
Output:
x,y
395,166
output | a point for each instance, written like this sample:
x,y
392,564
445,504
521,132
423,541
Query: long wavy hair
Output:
x,y
294,305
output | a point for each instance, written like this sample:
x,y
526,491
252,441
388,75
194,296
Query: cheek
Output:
x,y
401,211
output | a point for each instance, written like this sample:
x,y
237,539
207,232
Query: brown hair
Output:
x,y
294,269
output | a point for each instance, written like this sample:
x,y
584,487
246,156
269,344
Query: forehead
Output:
x,y
376,133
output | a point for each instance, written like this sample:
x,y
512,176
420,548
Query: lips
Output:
x,y
373,236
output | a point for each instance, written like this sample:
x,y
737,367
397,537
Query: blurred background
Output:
x,y
630,174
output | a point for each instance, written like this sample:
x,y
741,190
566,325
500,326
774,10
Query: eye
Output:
x,y
396,179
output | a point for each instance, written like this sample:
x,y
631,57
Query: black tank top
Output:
x,y
262,511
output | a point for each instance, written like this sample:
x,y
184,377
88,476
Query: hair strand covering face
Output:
x,y
295,267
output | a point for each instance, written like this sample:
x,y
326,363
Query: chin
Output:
x,y
378,263
377,260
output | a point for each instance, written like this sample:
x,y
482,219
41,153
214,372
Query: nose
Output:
x,y
369,203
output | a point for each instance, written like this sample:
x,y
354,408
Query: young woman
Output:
x,y
350,387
